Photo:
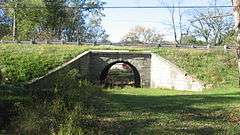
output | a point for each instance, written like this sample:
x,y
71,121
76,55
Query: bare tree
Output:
x,y
176,22
141,34
211,29
172,12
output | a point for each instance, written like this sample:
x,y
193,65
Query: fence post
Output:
x,y
78,42
46,41
62,41
225,47
193,46
208,46
32,41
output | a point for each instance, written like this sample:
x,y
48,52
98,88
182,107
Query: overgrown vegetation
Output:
x,y
63,110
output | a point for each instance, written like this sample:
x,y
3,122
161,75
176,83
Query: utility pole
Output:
x,y
215,9
14,25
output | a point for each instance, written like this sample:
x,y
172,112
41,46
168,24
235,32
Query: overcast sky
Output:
x,y
119,21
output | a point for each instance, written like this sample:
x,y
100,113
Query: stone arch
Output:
x,y
137,78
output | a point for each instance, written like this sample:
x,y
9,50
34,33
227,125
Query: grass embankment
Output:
x,y
21,63
214,67
134,110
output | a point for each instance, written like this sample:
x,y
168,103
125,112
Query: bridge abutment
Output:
x,y
153,70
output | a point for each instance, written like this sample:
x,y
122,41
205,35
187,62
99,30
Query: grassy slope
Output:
x,y
20,63
212,67
24,62
151,111
140,110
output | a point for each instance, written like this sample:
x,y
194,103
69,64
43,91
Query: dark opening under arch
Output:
x,y
104,73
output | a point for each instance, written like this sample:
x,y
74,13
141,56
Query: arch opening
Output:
x,y
120,73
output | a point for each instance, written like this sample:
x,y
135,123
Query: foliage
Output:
x,y
4,30
5,24
190,40
229,38
59,111
141,34
27,18
8,38
71,20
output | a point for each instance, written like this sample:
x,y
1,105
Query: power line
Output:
x,y
163,7
129,7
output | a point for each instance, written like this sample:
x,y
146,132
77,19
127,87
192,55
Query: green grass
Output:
x,y
21,63
214,67
139,111
156,111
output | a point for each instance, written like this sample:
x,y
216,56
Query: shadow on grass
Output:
x,y
177,114
10,95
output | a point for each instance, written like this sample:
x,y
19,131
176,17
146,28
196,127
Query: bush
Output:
x,y
8,38
59,111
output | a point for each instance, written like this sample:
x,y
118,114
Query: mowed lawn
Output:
x,y
156,111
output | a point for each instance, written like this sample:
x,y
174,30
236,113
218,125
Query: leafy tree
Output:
x,y
27,15
74,20
191,40
5,24
5,30
56,17
229,38
71,20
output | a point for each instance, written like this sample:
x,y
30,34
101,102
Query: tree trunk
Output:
x,y
236,10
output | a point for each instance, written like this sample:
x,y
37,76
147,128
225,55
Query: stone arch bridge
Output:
x,y
150,70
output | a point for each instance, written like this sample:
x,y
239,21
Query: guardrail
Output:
x,y
203,47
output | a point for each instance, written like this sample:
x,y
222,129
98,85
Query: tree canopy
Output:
x,y
70,20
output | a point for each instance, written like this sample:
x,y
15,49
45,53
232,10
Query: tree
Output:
x,y
75,20
236,11
56,17
229,38
26,16
141,34
86,25
190,40
5,24
211,26
71,20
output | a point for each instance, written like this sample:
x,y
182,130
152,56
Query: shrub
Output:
x,y
8,38
58,111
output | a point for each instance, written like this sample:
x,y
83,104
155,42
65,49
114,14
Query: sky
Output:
x,y
118,22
